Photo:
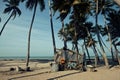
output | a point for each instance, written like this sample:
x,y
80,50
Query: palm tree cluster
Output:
x,y
78,28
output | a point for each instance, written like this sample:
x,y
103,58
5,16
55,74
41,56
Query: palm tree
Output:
x,y
114,26
88,40
66,33
98,35
105,8
52,30
11,7
32,4
63,7
80,10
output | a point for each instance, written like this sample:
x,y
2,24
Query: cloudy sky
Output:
x,y
13,41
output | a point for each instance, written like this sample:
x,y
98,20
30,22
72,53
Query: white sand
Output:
x,y
41,71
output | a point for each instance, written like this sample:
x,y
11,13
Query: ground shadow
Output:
x,y
41,60
28,75
62,76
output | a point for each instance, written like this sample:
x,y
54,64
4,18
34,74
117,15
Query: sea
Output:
x,y
38,57
23,58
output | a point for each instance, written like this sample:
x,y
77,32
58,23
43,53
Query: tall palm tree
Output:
x,y
98,35
11,7
52,30
114,26
105,8
32,4
80,10
88,40
63,7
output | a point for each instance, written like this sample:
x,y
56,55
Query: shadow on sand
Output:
x,y
44,73
54,78
28,75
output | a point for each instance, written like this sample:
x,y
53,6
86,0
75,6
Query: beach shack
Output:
x,y
66,59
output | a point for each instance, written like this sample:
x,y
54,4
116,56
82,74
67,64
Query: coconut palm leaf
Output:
x,y
11,7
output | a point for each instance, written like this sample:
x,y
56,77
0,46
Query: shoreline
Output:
x,y
92,61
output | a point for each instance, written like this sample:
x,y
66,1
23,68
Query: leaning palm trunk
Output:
x,y
52,30
117,1
117,55
88,54
94,49
29,37
5,23
77,50
98,36
109,37
103,52
96,55
75,37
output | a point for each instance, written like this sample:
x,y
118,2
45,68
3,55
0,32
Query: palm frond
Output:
x,y
14,13
7,10
30,4
41,4
8,5
8,1
22,0
18,11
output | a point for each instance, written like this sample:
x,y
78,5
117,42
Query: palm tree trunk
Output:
x,y
96,53
103,43
96,56
29,37
76,43
52,30
77,50
98,36
5,24
73,47
117,1
64,37
88,54
109,37
103,53
117,56
89,35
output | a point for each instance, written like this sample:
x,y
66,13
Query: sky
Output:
x,y
14,39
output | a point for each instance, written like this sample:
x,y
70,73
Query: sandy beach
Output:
x,y
41,71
